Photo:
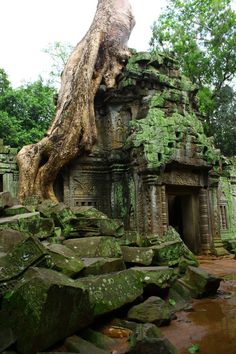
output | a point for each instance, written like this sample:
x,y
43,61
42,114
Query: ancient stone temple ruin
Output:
x,y
152,165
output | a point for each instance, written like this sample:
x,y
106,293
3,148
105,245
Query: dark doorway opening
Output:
x,y
183,214
59,188
1,183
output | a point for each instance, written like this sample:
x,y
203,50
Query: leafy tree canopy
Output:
x,y
202,36
25,112
59,53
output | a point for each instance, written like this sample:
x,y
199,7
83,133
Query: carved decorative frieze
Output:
x,y
182,178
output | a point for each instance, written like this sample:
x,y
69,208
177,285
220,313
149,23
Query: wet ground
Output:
x,y
212,322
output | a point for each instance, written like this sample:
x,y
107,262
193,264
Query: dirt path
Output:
x,y
212,323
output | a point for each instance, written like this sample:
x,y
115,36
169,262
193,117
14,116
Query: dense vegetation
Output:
x,y
202,36
25,112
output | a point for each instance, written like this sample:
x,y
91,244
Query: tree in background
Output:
x,y
59,53
202,34
25,112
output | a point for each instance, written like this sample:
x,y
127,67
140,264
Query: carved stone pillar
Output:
x,y
155,204
204,222
218,248
118,207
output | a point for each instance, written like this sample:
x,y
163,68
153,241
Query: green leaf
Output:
x,y
172,302
194,348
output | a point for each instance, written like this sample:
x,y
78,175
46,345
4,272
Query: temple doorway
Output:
x,y
183,215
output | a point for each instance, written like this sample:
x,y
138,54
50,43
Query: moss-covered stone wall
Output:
x,y
8,169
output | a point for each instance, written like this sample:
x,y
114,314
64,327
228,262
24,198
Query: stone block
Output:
x,y
112,291
80,345
170,253
162,277
25,254
37,226
7,337
16,210
64,260
179,297
12,222
137,255
100,246
153,310
6,200
200,283
147,338
46,308
61,214
99,265
99,339
9,239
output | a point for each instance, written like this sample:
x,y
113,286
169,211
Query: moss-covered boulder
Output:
x,y
64,260
6,200
16,210
46,308
153,310
200,283
100,265
162,277
137,255
82,346
25,254
111,291
146,338
179,297
9,239
37,226
60,213
100,246
13,222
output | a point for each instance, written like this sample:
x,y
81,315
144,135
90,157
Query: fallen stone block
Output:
x,y
6,200
61,214
88,212
9,239
200,283
179,297
112,291
147,338
162,277
170,253
153,310
99,339
131,238
101,246
12,222
46,308
80,345
25,254
37,226
16,210
137,255
64,260
99,265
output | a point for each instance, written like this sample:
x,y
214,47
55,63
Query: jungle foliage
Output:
x,y
202,36
25,112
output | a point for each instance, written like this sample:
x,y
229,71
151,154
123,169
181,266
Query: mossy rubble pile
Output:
x,y
75,279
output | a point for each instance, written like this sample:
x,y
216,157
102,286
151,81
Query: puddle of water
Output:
x,y
211,324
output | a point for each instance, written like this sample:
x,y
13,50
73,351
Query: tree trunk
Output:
x,y
99,55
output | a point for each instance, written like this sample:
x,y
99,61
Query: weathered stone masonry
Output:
x,y
152,165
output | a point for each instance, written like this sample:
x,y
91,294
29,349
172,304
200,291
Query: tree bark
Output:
x,y
100,55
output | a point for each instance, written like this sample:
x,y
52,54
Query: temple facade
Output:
x,y
152,166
